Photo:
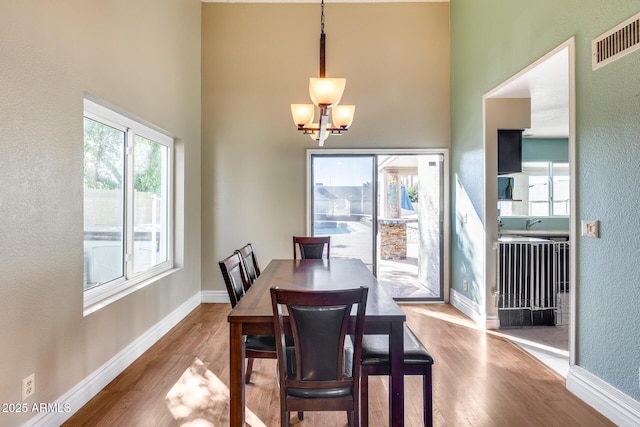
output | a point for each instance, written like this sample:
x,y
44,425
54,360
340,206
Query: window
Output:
x,y
559,179
548,188
127,204
542,189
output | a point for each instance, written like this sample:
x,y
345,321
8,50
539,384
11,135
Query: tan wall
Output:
x,y
256,61
143,56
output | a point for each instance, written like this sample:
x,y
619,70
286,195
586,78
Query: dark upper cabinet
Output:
x,y
509,151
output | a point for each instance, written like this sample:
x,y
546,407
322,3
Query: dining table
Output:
x,y
253,315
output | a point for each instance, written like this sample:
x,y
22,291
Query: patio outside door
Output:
x,y
387,210
343,205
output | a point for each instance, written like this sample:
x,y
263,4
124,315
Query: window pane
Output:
x,y
560,188
343,204
150,212
103,203
539,195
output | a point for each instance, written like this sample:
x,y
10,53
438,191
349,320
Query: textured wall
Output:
x,y
493,40
144,57
257,59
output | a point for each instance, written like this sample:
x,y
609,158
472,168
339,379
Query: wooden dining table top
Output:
x,y
325,274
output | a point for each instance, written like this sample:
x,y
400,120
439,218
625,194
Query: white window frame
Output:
x,y
546,169
104,294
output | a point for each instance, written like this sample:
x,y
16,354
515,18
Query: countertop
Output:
x,y
534,233
521,239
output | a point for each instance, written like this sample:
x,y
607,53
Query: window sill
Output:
x,y
95,304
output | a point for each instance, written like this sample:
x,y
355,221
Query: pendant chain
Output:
x,y
322,17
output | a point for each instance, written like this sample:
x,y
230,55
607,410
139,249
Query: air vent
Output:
x,y
616,43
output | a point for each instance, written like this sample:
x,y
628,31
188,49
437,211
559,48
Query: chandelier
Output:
x,y
325,94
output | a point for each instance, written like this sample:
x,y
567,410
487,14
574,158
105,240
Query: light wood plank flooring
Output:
x,y
480,379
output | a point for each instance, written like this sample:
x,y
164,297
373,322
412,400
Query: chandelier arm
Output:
x,y
334,130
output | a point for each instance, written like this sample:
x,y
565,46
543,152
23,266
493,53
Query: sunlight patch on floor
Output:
x,y
200,399
455,318
529,338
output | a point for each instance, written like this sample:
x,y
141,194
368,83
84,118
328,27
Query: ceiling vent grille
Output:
x,y
616,43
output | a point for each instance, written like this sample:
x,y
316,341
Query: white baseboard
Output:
x,y
470,308
84,391
604,398
473,310
492,321
215,297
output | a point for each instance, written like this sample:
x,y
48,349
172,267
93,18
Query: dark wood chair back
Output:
x,y
250,262
311,247
316,373
237,282
235,277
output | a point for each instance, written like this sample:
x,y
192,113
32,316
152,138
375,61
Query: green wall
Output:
x,y
491,41
545,150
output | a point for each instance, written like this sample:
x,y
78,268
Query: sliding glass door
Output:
x,y
387,209
342,204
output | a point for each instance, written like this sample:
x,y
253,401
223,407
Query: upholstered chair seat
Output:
x,y
375,361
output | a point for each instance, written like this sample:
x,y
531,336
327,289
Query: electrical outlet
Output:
x,y
28,386
465,285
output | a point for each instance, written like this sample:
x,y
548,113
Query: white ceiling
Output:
x,y
547,83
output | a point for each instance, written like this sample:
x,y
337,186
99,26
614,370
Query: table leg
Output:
x,y
396,394
236,386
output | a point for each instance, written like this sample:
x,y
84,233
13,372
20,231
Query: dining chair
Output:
x,y
375,361
316,373
311,247
250,263
236,280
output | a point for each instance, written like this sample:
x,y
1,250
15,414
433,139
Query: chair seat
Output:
x,y
324,393
260,342
417,361
375,350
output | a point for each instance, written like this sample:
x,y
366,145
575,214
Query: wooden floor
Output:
x,y
480,379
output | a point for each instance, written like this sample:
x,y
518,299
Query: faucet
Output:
x,y
531,222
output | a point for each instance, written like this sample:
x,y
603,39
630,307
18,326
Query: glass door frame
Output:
x,y
446,192
374,189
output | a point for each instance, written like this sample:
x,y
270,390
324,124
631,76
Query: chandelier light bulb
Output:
x,y
326,91
342,115
302,114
